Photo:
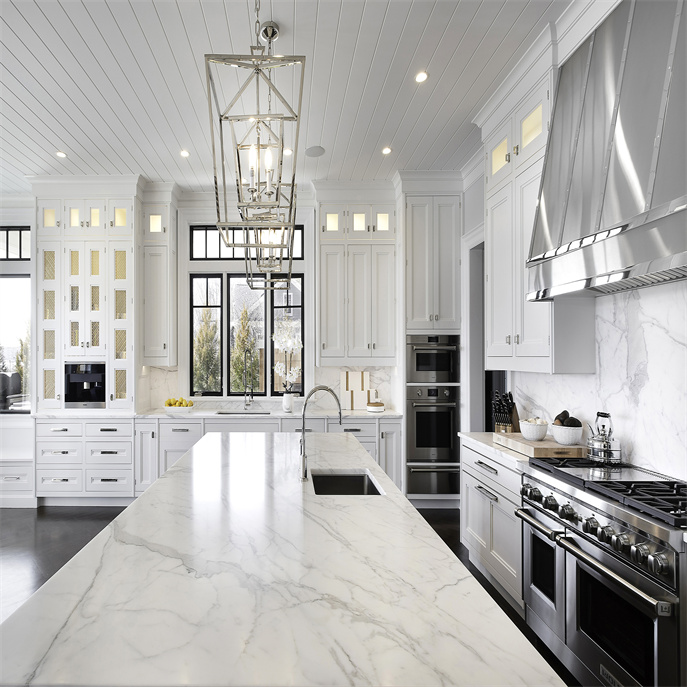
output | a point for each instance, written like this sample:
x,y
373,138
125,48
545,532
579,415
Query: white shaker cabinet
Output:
x,y
332,301
357,222
176,437
433,268
390,456
49,319
146,442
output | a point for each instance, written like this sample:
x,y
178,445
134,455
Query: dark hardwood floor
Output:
x,y
36,543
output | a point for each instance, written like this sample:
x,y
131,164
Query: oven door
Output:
x,y
432,479
432,429
622,625
543,573
432,363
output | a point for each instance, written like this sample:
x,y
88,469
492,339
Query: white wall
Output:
x,y
641,379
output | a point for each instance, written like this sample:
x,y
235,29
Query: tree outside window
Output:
x,y
206,311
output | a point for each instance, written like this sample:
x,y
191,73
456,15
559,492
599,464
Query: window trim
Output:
x,y
206,275
279,394
299,231
21,229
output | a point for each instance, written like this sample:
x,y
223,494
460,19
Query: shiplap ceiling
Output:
x,y
119,85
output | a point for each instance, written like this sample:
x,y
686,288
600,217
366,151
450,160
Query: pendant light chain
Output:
x,y
257,22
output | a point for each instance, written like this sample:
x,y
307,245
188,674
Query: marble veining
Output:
x,y
641,379
230,571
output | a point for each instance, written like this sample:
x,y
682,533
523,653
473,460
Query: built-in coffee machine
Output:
x,y
84,385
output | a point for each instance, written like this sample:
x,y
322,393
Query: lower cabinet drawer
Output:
x,y
16,478
185,433
108,429
57,453
59,429
358,428
108,452
58,482
110,480
295,424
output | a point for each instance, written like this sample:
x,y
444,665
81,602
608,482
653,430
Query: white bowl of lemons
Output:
x,y
178,405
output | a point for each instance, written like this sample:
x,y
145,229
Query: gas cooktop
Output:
x,y
635,487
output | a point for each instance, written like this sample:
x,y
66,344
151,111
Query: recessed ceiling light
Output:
x,y
314,151
288,151
421,76
59,153
386,150
184,153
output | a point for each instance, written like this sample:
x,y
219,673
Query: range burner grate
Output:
x,y
664,500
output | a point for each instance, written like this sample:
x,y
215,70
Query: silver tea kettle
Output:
x,y
601,446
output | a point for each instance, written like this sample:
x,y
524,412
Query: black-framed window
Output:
x,y
206,335
206,244
246,351
15,343
287,323
15,243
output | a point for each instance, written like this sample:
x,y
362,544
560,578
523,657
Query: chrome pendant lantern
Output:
x,y
256,135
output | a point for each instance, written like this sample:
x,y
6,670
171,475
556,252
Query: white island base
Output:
x,y
230,571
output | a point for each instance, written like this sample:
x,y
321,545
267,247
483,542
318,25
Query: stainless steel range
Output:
x,y
605,569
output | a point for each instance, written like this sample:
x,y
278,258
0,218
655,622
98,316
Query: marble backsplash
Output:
x,y
641,378
163,383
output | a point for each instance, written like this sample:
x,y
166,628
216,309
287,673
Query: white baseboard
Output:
x,y
86,501
17,501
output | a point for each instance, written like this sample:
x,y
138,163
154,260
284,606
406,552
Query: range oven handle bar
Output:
x,y
435,404
659,608
434,469
435,348
536,525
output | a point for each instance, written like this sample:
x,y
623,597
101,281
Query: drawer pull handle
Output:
x,y
300,429
59,429
487,467
109,479
434,469
11,478
108,429
434,404
60,479
180,429
487,493
109,453
60,453
352,429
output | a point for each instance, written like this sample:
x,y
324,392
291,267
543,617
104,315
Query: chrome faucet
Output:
x,y
304,457
246,401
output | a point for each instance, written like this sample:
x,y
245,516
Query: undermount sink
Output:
x,y
345,484
242,412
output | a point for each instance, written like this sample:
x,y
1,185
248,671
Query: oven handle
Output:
x,y
536,525
435,348
659,608
434,469
434,404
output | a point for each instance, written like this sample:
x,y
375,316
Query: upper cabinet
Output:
x,y
521,135
521,335
120,217
433,263
360,222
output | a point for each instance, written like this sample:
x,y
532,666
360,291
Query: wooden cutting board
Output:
x,y
539,449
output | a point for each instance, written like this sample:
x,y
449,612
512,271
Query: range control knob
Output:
x,y
639,553
526,489
535,494
590,526
605,534
658,563
567,512
550,503
620,542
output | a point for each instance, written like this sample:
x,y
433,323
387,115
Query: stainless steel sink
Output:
x,y
345,484
242,412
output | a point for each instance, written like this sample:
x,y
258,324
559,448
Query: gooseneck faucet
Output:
x,y
304,457
246,402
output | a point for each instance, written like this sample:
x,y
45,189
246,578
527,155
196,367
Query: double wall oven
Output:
x,y
432,416
602,582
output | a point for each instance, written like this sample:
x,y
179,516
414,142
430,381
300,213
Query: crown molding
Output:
x,y
90,186
473,170
435,183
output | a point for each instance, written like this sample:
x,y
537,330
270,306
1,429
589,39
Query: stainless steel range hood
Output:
x,y
612,212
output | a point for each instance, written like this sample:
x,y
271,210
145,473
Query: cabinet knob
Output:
x,y
507,157
431,318
368,345
517,338
82,224
508,339
57,224
88,224
111,223
374,345
516,149
436,318
323,345
164,346
368,227
112,397
88,344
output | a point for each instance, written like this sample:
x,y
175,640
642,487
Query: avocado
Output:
x,y
562,416
572,422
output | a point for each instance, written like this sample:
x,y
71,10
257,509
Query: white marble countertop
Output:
x,y
230,571
270,412
485,441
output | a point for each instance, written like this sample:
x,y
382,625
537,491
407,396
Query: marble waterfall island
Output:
x,y
231,571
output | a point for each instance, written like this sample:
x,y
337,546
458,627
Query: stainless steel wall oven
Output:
x,y
432,359
432,444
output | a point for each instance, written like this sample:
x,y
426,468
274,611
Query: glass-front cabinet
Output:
x,y
120,370
49,320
